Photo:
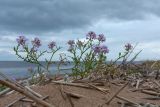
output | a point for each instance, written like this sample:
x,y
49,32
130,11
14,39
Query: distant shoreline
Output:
x,y
21,64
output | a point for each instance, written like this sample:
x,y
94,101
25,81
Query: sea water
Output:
x,y
17,69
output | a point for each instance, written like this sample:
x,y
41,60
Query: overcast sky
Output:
x,y
121,21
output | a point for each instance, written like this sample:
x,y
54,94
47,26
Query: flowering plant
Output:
x,y
124,59
87,54
32,54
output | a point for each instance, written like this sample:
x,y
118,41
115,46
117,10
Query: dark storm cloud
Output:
x,y
28,16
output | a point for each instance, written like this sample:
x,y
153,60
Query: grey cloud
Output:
x,y
26,16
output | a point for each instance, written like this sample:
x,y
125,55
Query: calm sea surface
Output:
x,y
17,69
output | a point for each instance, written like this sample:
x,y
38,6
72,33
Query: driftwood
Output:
x,y
5,91
137,85
97,88
126,104
84,81
64,92
97,83
71,84
152,98
150,92
26,93
74,95
66,95
43,98
77,85
28,100
70,100
140,89
126,100
157,84
15,101
33,92
108,102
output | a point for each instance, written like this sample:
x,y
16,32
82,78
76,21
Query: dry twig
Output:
x,y
108,102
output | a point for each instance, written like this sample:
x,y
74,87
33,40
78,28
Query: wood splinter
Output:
x,y
108,102
74,95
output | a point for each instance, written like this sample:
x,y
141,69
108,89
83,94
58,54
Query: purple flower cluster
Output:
x,y
51,45
96,49
101,38
36,42
128,47
100,49
91,35
21,40
104,49
71,42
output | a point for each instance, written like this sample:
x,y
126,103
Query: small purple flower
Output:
x,y
128,47
96,49
100,49
51,45
36,42
21,40
71,42
104,49
91,35
101,38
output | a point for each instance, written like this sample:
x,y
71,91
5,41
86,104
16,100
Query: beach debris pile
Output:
x,y
147,86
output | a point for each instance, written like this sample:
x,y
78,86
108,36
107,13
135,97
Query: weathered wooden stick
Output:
x,y
70,84
77,85
157,83
108,102
94,83
43,98
126,100
74,95
15,101
150,92
140,89
28,100
5,91
33,92
62,93
97,88
24,92
152,98
137,85
70,100
127,104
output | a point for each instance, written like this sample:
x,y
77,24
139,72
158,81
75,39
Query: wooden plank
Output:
x,y
26,93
